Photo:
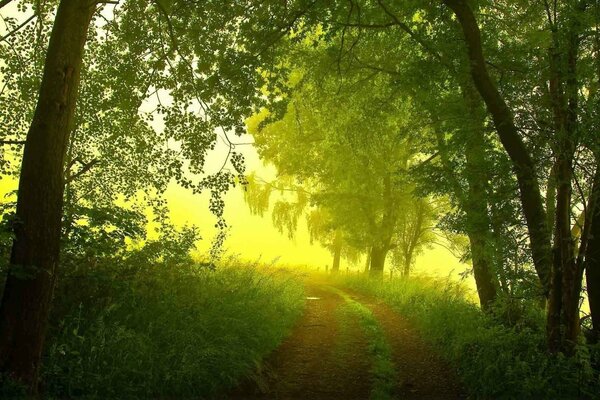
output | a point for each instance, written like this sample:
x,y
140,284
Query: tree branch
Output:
x,y
8,142
85,168
16,29
4,3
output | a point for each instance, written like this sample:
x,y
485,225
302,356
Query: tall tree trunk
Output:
x,y
484,279
592,258
529,189
378,255
478,217
406,267
386,229
368,259
551,197
592,261
34,260
563,302
474,204
337,252
473,201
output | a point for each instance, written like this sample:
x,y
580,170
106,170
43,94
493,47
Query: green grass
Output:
x,y
382,367
166,332
493,360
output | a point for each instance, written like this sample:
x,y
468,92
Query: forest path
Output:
x,y
336,348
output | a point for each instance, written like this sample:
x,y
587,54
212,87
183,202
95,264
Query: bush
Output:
x,y
163,330
494,360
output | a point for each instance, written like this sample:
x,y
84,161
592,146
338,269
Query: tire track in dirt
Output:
x,y
326,357
422,374
318,361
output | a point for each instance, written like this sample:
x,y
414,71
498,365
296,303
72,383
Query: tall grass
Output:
x,y
495,361
165,332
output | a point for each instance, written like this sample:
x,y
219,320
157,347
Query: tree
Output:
x,y
30,284
374,48
559,269
159,43
414,231
356,154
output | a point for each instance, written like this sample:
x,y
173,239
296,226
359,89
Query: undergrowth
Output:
x,y
495,361
165,331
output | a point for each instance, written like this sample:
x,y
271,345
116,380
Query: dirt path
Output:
x,y
422,374
327,356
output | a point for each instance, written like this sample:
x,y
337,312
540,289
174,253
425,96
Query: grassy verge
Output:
x,y
165,332
494,361
383,369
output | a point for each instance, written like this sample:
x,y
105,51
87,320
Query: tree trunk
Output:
x,y
562,320
337,252
406,267
386,229
476,207
32,275
378,255
484,280
592,261
565,289
368,259
551,197
474,204
592,257
531,199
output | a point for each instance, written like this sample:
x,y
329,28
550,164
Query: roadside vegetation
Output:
x,y
157,324
496,358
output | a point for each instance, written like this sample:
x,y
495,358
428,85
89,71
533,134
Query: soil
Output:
x,y
326,357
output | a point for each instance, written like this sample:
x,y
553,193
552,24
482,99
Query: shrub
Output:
x,y
164,330
494,360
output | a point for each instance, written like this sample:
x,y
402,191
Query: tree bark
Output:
x,y
592,262
592,276
476,207
474,204
484,279
386,229
34,259
565,289
337,252
531,199
406,267
378,255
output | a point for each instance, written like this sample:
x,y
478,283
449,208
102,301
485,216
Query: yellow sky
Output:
x,y
254,236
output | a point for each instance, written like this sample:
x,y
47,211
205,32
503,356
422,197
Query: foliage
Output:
x,y
155,102
493,360
349,145
146,328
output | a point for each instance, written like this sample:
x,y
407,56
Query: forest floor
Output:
x,y
349,346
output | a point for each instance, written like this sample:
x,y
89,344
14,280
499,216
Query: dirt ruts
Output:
x,y
327,358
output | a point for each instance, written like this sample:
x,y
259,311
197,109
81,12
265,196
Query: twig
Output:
x,y
16,29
